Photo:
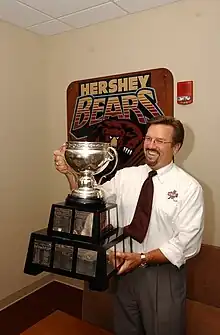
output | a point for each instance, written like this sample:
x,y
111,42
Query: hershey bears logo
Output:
x,y
115,111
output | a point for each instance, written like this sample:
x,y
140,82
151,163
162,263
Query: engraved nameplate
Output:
x,y
86,262
42,252
83,223
62,219
63,257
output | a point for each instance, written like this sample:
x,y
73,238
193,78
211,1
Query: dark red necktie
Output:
x,y
137,229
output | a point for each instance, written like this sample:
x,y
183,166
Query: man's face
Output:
x,y
158,146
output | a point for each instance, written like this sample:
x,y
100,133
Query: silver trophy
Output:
x,y
88,159
84,231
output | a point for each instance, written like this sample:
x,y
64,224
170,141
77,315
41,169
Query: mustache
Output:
x,y
152,150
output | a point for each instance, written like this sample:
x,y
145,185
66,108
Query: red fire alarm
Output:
x,y
185,92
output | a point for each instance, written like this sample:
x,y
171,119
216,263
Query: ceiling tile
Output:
x,y
19,14
50,28
57,8
94,15
133,6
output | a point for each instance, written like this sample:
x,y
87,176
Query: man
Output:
x,y
151,289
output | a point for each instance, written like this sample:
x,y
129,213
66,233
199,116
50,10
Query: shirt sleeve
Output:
x,y
187,239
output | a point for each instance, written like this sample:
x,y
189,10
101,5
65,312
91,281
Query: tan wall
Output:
x,y
25,161
35,73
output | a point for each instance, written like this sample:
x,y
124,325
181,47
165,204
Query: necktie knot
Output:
x,y
152,173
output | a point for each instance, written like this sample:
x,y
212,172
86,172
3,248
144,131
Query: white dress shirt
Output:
x,y
177,218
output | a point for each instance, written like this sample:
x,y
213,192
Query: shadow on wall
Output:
x,y
182,156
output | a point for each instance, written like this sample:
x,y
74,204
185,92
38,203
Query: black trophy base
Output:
x,y
93,203
72,258
99,285
78,222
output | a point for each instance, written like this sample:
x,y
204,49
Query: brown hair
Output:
x,y
178,133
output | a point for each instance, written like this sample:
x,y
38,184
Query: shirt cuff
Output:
x,y
173,254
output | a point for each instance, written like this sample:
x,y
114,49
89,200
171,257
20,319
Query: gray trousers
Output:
x,y
151,301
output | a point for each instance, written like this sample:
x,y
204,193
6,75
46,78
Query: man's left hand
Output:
x,y
131,261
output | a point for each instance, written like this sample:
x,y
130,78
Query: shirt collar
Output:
x,y
162,171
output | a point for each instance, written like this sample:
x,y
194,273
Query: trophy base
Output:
x,y
73,258
93,203
98,285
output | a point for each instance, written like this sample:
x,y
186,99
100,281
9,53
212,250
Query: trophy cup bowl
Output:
x,y
88,159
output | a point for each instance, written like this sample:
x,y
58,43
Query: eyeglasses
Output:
x,y
157,141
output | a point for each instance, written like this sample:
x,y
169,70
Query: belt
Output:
x,y
160,264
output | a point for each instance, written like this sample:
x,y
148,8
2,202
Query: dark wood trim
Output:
x,y
203,271
39,304
202,319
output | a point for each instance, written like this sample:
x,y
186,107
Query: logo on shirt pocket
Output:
x,y
173,195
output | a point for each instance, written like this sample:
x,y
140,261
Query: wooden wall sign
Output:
x,y
116,109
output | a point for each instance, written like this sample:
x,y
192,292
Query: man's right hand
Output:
x,y
62,167
60,162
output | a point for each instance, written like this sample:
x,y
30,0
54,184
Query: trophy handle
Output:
x,y
112,155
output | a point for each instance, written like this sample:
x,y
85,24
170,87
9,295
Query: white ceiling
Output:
x,y
50,17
